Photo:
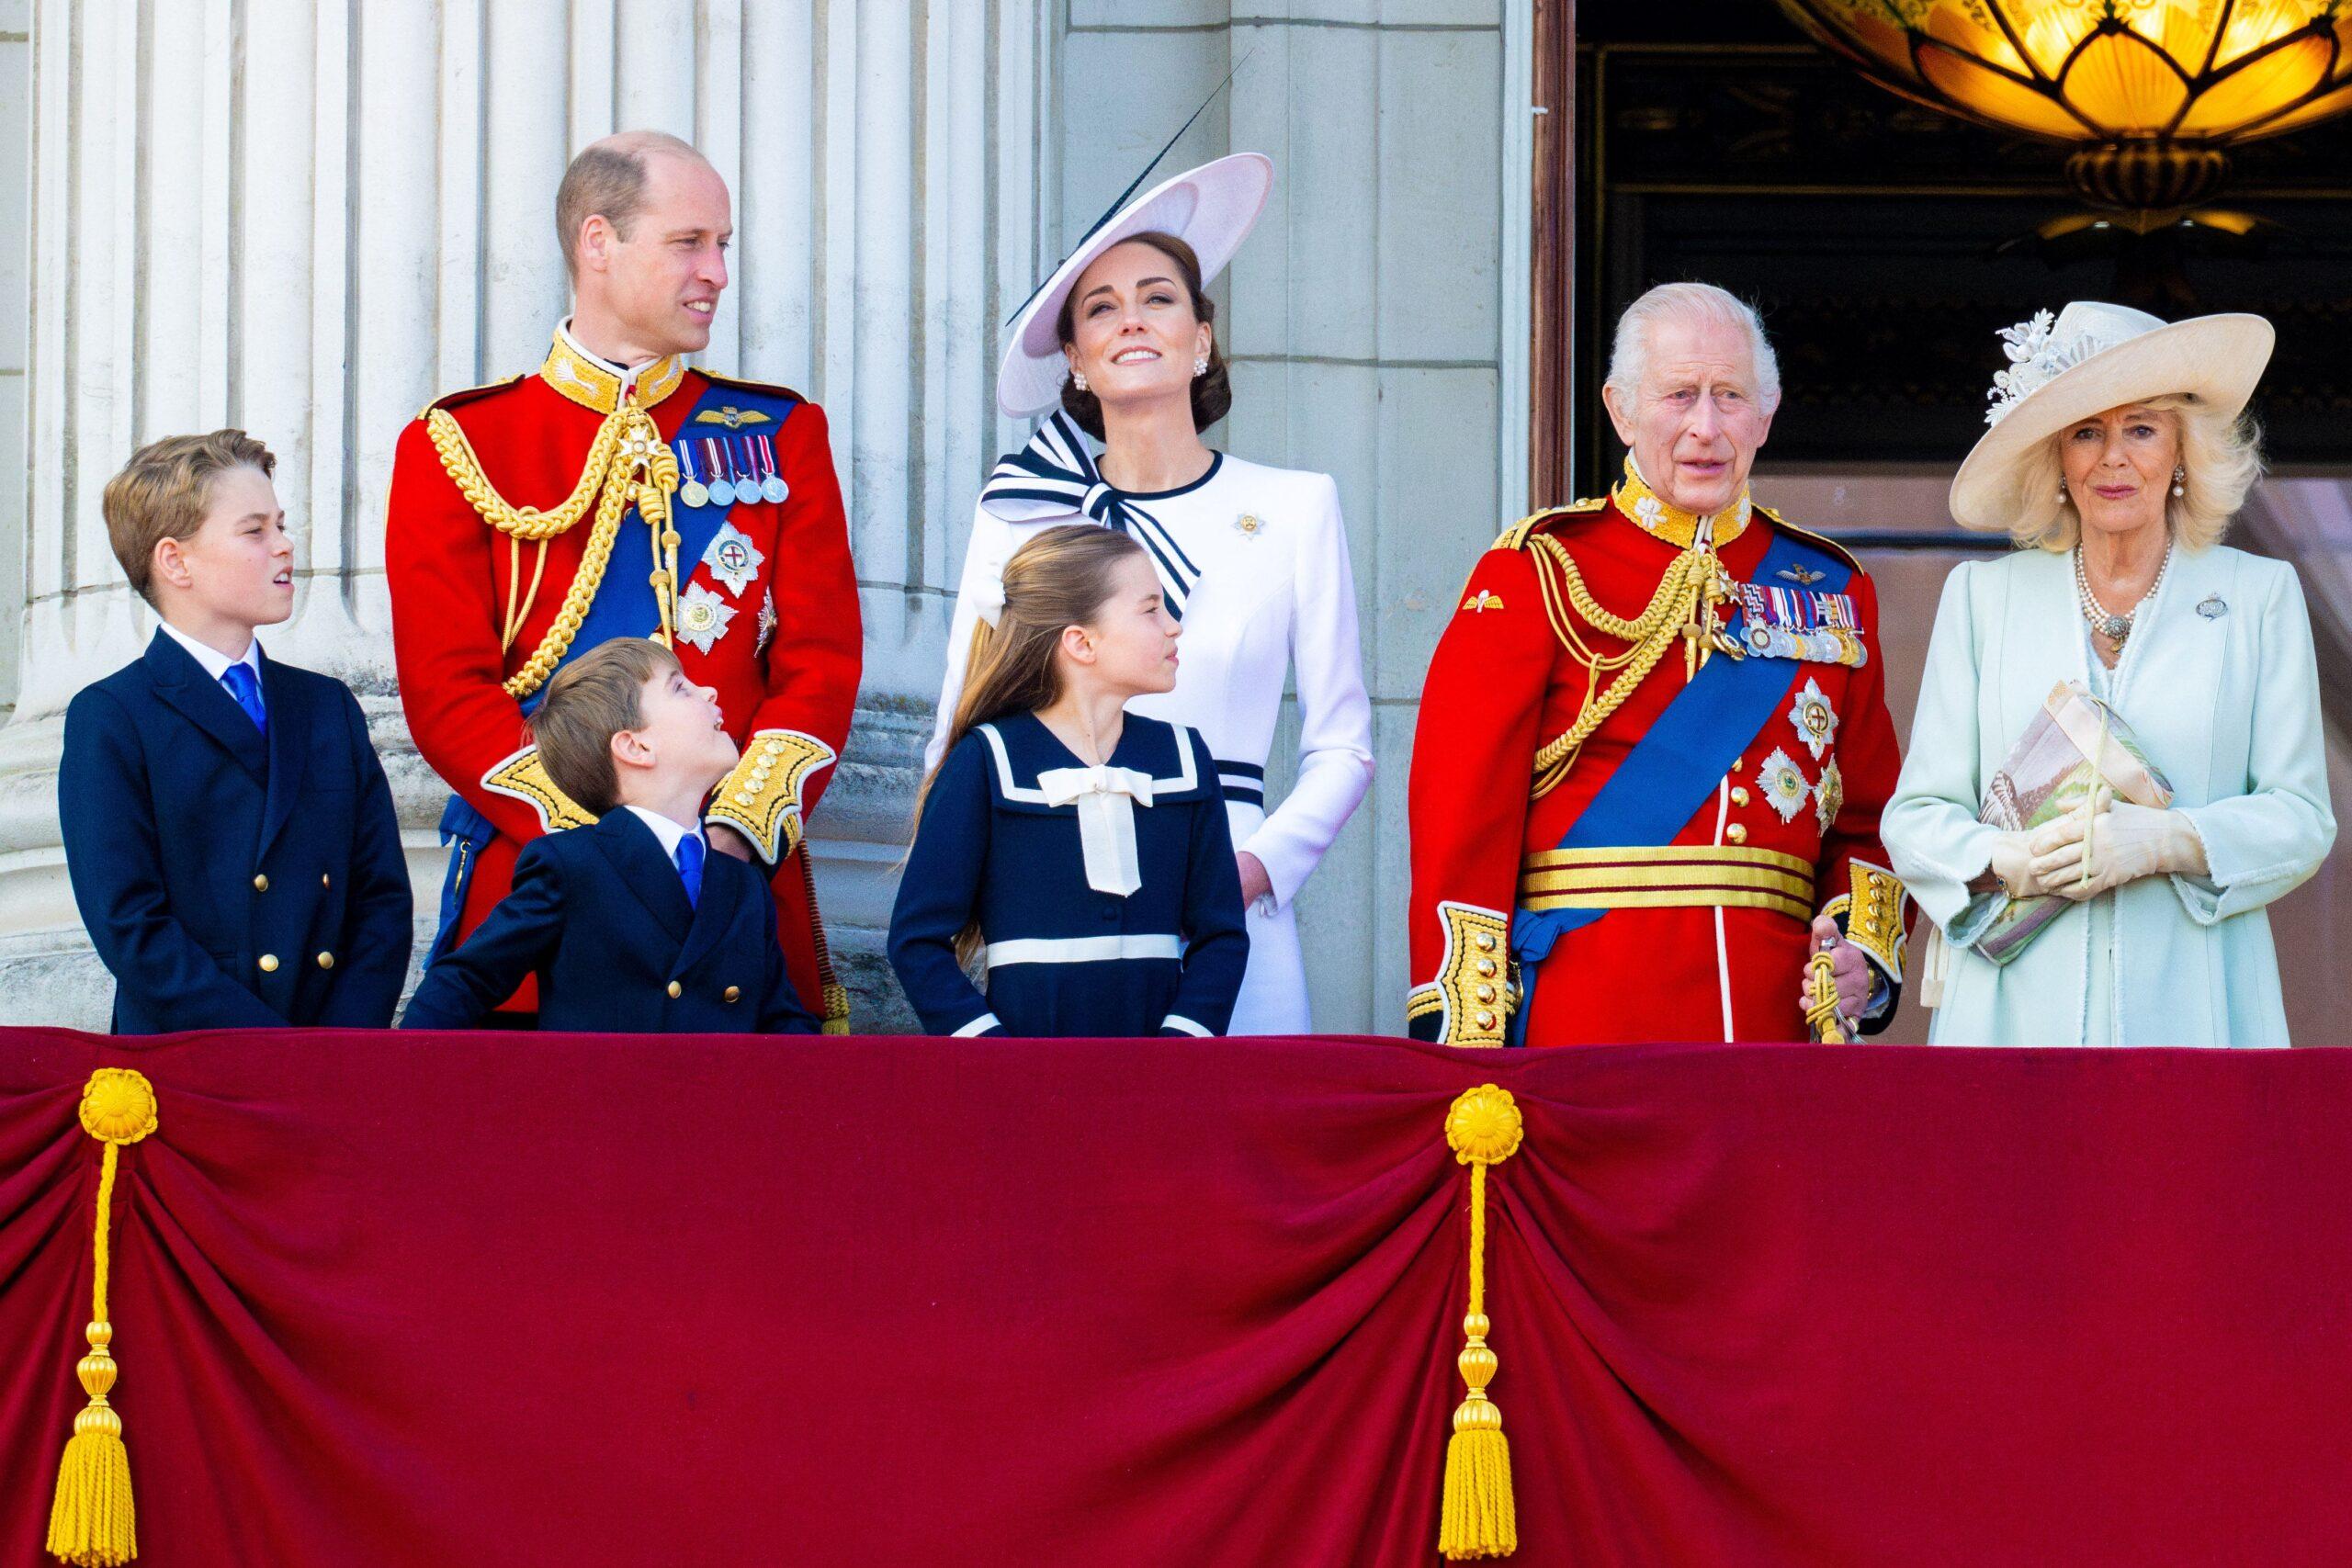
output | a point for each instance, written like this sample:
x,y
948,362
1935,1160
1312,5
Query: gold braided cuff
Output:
x,y
1873,914
525,778
761,800
1472,993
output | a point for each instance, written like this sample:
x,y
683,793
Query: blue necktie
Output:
x,y
690,853
246,689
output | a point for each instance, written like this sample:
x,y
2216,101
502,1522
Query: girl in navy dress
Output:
x,y
1078,851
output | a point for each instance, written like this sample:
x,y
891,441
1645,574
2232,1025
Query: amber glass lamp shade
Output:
x,y
2152,92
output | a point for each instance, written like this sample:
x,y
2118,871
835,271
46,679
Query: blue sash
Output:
x,y
1687,749
625,604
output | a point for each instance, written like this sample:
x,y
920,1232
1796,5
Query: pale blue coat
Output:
x,y
2227,705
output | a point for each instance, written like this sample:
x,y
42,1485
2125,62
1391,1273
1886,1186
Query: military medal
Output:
x,y
722,481
733,560
693,492
772,490
1829,794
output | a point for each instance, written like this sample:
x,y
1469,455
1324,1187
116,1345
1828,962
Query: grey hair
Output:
x,y
1629,356
2221,458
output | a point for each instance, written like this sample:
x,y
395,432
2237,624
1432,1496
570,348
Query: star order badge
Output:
x,y
702,618
1815,720
1783,784
1829,794
733,560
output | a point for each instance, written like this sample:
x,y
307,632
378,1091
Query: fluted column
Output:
x,y
309,220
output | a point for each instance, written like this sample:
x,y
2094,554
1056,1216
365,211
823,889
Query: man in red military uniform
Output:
x,y
1654,742
619,493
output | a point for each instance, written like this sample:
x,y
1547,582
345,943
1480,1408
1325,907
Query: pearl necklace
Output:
x,y
2116,628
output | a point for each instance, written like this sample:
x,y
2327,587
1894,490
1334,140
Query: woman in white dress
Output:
x,y
2116,457
1120,345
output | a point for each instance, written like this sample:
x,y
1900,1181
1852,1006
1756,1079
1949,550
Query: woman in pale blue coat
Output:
x,y
2118,453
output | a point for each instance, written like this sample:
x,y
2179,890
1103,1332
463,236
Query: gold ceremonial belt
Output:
x,y
1675,877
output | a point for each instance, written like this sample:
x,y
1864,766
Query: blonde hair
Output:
x,y
2221,458
592,699
609,178
1060,578
164,493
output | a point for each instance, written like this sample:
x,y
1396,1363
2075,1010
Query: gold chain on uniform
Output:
x,y
629,464
1683,606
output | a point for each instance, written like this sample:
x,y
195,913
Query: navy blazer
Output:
x,y
226,881
1062,958
600,915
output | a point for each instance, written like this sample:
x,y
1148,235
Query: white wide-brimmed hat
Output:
x,y
2091,358
1211,209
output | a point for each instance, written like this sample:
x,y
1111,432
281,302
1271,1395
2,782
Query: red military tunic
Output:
x,y
767,616
1700,929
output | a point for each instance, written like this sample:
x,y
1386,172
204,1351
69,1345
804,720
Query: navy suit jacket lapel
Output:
x,y
290,732
722,890
636,854
181,681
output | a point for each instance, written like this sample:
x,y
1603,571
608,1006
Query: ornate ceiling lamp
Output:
x,y
2151,94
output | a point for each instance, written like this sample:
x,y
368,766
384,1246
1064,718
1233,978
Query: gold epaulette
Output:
x,y
468,394
1807,535
1515,536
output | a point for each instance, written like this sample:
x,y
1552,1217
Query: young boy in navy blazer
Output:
x,y
228,828
632,925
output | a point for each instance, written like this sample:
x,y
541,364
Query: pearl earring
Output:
x,y
2062,496
1077,380
2179,481
1201,365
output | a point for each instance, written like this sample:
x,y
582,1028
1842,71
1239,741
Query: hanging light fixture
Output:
x,y
2151,94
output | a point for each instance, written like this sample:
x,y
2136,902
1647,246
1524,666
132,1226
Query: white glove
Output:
x,y
2084,853
2013,865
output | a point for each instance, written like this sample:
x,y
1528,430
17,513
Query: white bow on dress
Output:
x,y
1106,798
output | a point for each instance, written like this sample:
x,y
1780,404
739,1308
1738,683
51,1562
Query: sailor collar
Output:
x,y
1661,519
1021,747
599,384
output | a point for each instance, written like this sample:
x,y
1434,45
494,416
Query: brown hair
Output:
x,y
1212,392
164,493
1060,579
592,699
607,178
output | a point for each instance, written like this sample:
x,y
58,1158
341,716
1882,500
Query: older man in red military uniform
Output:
x,y
618,492
1654,742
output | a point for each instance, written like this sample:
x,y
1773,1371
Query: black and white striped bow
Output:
x,y
1055,476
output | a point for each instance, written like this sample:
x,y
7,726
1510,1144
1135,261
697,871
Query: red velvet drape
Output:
x,y
455,1300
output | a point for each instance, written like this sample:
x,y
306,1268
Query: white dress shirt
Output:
x,y
216,663
672,834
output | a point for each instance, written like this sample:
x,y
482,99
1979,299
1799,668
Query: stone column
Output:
x,y
309,220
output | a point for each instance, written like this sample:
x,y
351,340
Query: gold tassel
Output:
x,y
1823,1013
1479,1518
93,1523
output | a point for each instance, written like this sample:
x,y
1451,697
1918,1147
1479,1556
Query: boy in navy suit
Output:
x,y
631,925
228,828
